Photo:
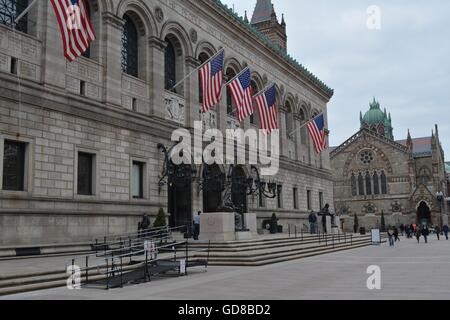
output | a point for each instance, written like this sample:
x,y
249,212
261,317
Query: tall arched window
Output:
x,y
255,91
170,65
130,55
368,184
376,183
203,57
354,187
10,10
383,183
289,120
231,108
360,184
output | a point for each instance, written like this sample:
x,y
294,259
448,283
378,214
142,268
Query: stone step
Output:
x,y
258,245
272,259
264,251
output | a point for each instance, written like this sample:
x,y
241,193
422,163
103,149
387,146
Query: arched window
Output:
x,y
361,184
10,10
376,183
368,184
383,183
289,121
231,108
354,187
130,47
170,65
303,134
255,91
203,57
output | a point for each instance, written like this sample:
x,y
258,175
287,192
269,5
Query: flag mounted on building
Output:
x,y
316,128
75,26
242,93
211,78
267,109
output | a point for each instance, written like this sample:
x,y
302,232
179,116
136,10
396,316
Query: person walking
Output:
x,y
312,218
446,230
402,229
396,235
391,237
197,225
425,233
438,232
418,235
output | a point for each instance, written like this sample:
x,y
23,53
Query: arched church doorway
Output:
x,y
423,214
214,180
239,189
180,197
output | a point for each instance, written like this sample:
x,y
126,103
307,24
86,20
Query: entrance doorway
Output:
x,y
212,189
424,214
180,198
239,189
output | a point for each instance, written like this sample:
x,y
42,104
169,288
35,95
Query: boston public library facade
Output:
x,y
79,140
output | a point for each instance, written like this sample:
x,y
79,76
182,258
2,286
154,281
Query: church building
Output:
x,y
375,175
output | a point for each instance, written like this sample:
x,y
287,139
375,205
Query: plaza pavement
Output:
x,y
408,271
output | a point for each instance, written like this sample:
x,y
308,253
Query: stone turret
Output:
x,y
265,20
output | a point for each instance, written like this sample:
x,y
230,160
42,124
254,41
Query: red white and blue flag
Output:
x,y
316,128
75,26
267,109
211,78
242,93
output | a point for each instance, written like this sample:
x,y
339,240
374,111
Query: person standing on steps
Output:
x,y
312,222
197,225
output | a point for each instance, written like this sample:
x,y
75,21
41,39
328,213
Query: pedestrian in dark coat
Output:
x,y
438,232
446,230
396,234
425,233
418,235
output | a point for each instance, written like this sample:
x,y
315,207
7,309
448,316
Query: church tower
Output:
x,y
265,20
377,120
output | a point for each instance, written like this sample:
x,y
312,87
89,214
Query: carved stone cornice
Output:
x,y
155,42
113,20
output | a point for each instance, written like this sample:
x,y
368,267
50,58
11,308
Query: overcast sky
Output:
x,y
405,64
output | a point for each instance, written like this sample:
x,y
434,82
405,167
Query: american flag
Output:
x,y
75,26
211,78
267,109
242,93
316,128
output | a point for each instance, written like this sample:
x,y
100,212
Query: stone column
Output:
x,y
156,65
282,126
112,57
191,90
297,136
54,62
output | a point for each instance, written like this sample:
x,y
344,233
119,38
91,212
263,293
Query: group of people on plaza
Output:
x,y
417,231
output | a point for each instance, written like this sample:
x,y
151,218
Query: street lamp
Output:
x,y
440,199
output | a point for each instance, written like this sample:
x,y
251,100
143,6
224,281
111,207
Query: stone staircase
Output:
x,y
249,253
262,251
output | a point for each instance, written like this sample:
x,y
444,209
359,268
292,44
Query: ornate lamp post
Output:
x,y
440,199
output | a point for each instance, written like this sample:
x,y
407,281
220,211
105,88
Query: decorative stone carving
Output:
x,y
396,207
175,108
209,119
194,36
370,208
159,14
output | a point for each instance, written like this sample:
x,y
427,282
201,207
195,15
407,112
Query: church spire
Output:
x,y
265,20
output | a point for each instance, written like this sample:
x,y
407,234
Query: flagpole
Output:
x,y
193,71
290,134
245,69
262,91
24,12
